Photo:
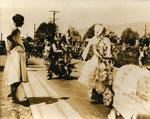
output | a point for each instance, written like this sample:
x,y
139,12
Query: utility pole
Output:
x,y
145,31
34,30
54,13
1,36
0,28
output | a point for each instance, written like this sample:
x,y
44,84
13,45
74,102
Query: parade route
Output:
x,y
75,59
60,98
52,106
52,99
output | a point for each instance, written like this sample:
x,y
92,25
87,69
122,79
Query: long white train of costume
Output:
x,y
131,86
88,70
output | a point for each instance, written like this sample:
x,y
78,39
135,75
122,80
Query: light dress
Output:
x,y
102,76
15,66
95,71
90,66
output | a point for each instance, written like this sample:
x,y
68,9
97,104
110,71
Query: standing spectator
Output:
x,y
46,51
27,49
15,68
142,55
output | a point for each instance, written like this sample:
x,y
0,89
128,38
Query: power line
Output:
x,y
54,15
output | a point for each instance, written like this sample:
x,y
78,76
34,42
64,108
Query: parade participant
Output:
x,y
46,49
52,57
27,49
96,70
142,56
15,68
92,41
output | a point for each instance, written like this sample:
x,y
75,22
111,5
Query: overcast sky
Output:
x,y
78,13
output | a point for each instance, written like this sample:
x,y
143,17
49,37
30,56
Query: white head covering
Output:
x,y
98,29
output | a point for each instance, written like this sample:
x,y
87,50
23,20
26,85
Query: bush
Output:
x,y
128,56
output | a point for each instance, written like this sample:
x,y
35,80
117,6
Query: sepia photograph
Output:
x,y
74,59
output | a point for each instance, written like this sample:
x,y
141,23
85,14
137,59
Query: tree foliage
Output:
x,y
44,31
145,40
129,36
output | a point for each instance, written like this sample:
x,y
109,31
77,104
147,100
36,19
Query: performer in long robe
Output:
x,y
97,42
96,73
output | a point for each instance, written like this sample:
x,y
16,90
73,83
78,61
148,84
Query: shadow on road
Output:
x,y
95,102
72,78
46,100
65,78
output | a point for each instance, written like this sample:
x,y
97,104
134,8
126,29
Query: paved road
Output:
x,y
74,93
60,98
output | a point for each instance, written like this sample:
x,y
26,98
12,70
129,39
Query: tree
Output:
x,y
129,37
44,31
145,40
